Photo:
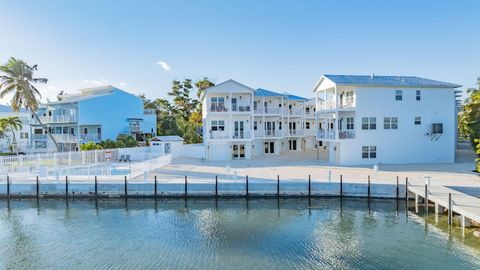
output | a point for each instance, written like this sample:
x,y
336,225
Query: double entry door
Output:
x,y
238,151
269,147
239,130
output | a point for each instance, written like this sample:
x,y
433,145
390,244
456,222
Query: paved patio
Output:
x,y
297,167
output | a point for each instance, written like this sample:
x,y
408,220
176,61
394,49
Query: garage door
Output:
x,y
219,152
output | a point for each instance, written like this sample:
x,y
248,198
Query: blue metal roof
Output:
x,y
407,81
267,93
293,97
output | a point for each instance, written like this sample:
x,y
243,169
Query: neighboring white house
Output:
x,y
386,119
22,135
240,122
93,114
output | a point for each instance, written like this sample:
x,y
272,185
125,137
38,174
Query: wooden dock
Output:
x,y
468,207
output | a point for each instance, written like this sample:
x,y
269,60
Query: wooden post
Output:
x,y
397,191
126,189
216,185
155,186
8,187
96,187
425,203
309,186
278,185
450,210
66,186
246,185
341,185
369,186
406,188
186,189
38,187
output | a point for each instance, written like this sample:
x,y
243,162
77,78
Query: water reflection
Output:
x,y
224,234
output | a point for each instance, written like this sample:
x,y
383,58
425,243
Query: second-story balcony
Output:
x,y
241,107
268,110
218,107
269,133
329,134
225,135
310,132
82,138
59,118
347,102
294,132
294,111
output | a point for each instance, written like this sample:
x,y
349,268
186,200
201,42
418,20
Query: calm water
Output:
x,y
225,234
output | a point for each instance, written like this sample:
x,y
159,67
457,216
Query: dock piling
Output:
x,y
38,187
406,189
278,185
450,210
186,188
397,191
96,187
246,185
309,186
125,187
369,186
216,185
155,183
425,203
8,187
341,185
66,186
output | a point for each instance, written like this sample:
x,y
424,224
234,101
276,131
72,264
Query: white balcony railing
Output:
x,y
348,102
269,133
218,107
295,132
326,134
219,134
327,105
268,110
241,107
90,137
310,132
39,136
346,134
242,134
61,118
294,111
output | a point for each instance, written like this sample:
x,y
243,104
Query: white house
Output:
x,y
92,114
240,122
385,119
22,135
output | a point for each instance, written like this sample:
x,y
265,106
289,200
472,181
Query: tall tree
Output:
x,y
18,79
202,85
469,117
12,123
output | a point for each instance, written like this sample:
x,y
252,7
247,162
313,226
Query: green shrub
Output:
x,y
90,146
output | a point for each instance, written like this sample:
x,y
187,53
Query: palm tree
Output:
x,y
17,79
11,123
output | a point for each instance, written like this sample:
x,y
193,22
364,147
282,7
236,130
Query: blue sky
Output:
x,y
278,45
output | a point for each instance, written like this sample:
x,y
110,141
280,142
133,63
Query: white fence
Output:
x,y
83,162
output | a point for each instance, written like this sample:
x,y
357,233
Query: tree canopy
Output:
x,y
183,115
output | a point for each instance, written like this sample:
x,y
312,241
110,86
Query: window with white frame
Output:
x,y
390,123
369,123
369,152
307,125
217,103
418,120
350,123
254,125
398,94
418,95
218,125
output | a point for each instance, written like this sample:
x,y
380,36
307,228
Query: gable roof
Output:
x,y
7,108
223,83
260,92
374,80
294,97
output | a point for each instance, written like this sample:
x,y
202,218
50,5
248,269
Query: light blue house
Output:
x,y
93,114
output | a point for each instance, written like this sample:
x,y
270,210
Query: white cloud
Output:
x,y
164,65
